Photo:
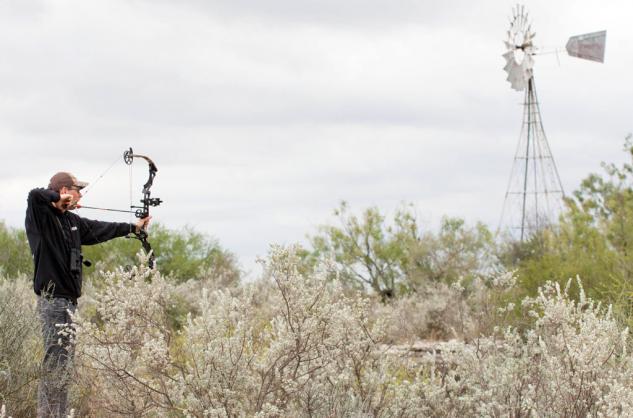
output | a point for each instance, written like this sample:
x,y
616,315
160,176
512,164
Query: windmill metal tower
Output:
x,y
534,196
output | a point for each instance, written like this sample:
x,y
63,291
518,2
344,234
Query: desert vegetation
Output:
x,y
331,328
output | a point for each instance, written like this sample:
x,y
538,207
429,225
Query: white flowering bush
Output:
x,y
573,362
311,351
20,346
295,344
122,358
439,311
4,414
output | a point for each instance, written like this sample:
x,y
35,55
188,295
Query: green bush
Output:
x,y
15,257
180,254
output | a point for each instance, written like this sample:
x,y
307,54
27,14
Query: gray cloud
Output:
x,y
381,13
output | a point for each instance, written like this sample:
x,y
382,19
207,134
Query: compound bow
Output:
x,y
147,201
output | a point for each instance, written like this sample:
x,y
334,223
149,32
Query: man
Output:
x,y
55,236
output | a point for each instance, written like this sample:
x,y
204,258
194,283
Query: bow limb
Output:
x,y
141,235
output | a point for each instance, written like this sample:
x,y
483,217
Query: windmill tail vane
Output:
x,y
589,46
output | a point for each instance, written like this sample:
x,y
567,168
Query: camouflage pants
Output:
x,y
55,374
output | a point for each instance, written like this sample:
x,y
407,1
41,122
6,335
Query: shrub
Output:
x,y
295,344
20,346
314,354
438,311
574,361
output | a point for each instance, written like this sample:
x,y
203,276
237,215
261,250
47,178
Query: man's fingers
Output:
x,y
143,223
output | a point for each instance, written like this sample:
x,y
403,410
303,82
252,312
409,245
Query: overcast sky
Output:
x,y
262,115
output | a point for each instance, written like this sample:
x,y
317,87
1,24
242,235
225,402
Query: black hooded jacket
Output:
x,y
56,238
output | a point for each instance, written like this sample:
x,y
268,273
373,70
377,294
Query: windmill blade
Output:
x,y
509,56
518,74
589,46
528,62
516,81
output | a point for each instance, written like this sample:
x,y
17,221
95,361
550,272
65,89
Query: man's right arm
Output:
x,y
40,198
39,204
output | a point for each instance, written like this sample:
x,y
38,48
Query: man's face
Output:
x,y
75,192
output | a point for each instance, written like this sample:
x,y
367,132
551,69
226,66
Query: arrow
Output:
x,y
109,210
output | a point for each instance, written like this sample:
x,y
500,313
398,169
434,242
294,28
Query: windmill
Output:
x,y
534,196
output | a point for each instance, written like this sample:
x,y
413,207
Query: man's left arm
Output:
x,y
93,232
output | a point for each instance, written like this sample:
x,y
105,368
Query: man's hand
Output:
x,y
142,223
65,200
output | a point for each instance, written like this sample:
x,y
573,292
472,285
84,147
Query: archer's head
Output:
x,y
67,184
